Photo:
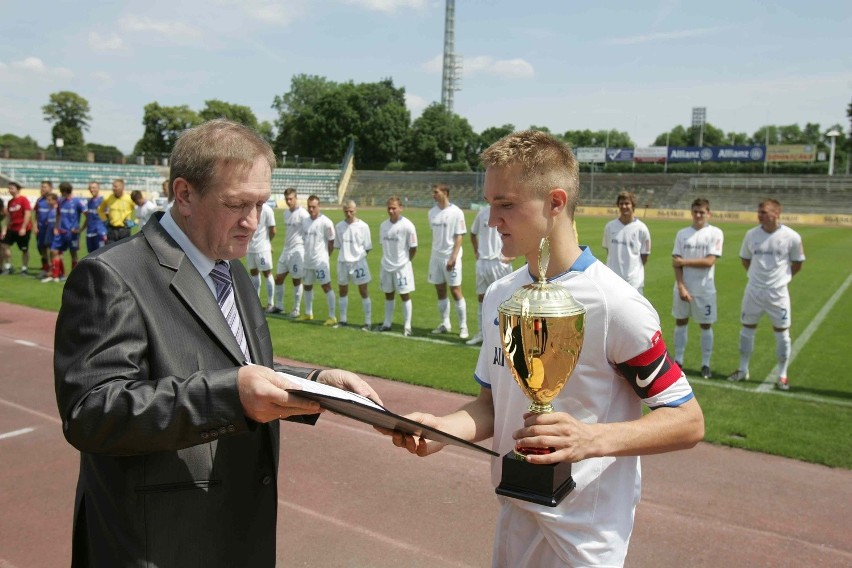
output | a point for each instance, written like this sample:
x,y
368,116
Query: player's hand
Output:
x,y
684,293
677,261
264,397
416,444
570,439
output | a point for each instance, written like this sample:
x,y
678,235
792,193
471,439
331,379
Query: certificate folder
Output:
x,y
365,410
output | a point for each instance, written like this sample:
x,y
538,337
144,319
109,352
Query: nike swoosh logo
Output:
x,y
644,383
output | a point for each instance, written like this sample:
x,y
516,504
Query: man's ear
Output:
x,y
558,200
184,195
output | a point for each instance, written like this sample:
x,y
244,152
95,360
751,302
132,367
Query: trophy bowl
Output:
x,y
542,328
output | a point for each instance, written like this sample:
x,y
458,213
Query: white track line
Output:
x,y
769,381
14,433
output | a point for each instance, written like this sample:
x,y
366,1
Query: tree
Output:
x,y
296,106
26,147
680,136
215,108
163,125
105,153
588,138
69,113
318,118
438,133
494,133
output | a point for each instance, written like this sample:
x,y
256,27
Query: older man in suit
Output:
x,y
164,380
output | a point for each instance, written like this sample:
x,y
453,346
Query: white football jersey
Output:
x,y
771,255
622,333
293,223
260,239
625,246
446,223
317,234
695,244
489,242
397,238
353,240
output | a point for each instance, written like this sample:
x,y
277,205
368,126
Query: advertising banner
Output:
x,y
716,154
650,154
586,155
791,153
619,154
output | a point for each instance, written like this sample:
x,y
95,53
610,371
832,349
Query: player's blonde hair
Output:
x,y
545,163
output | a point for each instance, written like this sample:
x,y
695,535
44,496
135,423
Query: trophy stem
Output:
x,y
538,408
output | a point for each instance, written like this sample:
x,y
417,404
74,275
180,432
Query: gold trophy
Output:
x,y
541,330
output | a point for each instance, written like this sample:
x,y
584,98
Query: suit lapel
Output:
x,y
192,289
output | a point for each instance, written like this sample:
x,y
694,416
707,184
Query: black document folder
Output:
x,y
375,415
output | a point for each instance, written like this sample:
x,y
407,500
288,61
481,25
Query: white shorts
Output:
x,y
438,273
774,302
357,272
318,275
702,309
400,281
292,262
259,260
489,271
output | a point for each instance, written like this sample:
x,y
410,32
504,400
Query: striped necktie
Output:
x,y
221,276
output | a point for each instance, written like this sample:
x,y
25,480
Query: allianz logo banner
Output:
x,y
716,153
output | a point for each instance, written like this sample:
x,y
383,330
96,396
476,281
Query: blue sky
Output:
x,y
638,67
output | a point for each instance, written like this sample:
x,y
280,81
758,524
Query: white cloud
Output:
x,y
434,65
272,12
388,6
33,67
111,43
103,78
175,32
663,36
486,65
415,104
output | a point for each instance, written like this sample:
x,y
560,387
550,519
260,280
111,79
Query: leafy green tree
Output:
x,y
297,106
17,147
215,108
438,133
494,133
267,131
680,136
163,125
69,113
104,153
591,138
318,117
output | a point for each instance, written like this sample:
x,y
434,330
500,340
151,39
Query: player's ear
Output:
x,y
558,200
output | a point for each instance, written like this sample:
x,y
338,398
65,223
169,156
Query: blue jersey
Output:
x,y
50,221
70,211
94,224
42,212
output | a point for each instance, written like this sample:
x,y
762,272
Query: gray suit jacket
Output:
x,y
172,473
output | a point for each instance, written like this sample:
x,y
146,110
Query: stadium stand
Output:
x,y
798,194
322,183
30,173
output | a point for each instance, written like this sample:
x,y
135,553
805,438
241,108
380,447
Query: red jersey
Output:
x,y
16,208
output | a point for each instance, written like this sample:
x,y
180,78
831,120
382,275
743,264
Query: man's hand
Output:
x,y
264,398
571,439
684,293
415,444
348,381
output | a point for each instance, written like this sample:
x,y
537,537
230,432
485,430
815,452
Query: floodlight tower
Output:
x,y
451,73
699,119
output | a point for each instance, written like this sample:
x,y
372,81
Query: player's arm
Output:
x,y
473,422
27,216
102,208
271,231
411,252
474,240
682,290
457,243
795,267
705,262
746,262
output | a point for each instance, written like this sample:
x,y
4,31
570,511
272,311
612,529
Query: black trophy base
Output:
x,y
542,484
